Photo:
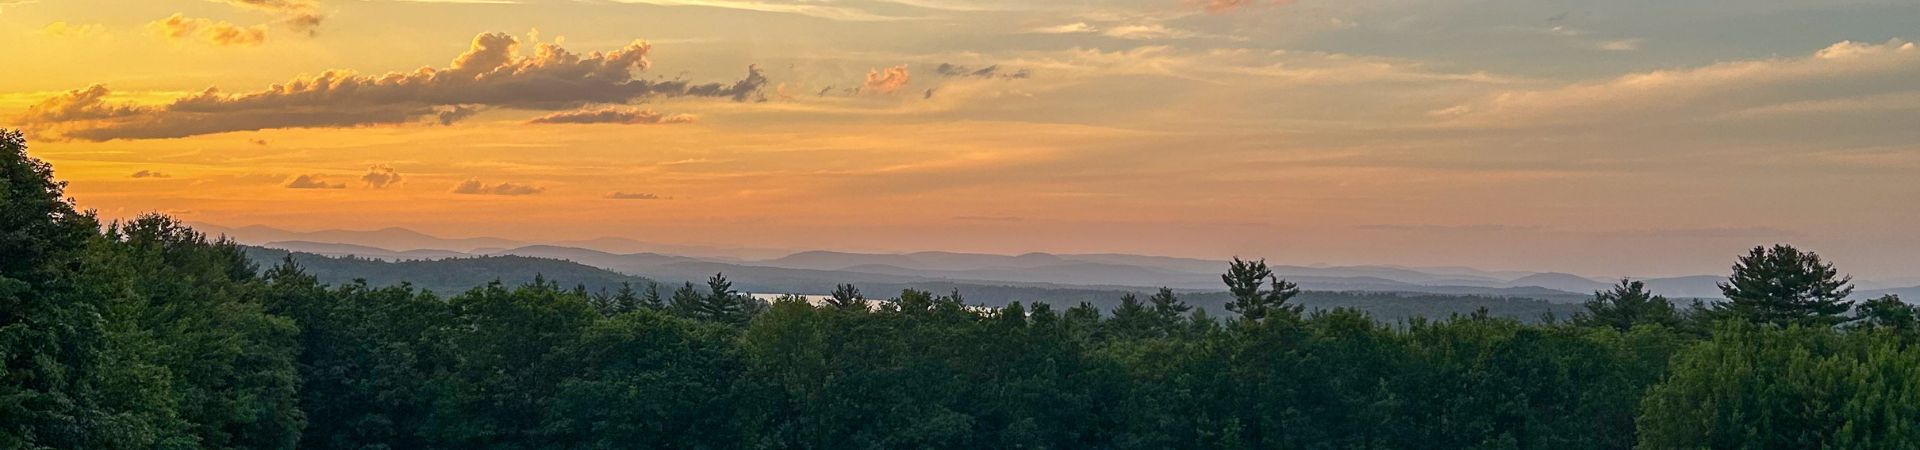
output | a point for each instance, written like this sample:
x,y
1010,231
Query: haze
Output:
x,y
1601,138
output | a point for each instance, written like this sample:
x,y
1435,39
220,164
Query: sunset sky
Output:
x,y
1606,138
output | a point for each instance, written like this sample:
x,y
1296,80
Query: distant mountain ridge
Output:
x,y
816,271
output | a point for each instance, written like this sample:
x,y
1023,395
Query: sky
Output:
x,y
1606,138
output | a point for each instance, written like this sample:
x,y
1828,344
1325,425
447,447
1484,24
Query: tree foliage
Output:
x,y
1784,286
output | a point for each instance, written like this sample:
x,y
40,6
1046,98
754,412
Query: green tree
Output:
x,y
847,297
720,304
231,363
1132,319
1888,313
1767,387
1248,281
53,340
1626,305
1783,285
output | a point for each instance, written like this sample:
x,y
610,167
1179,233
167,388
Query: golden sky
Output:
x,y
1607,138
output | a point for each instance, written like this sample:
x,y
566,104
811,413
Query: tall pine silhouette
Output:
x,y
1783,286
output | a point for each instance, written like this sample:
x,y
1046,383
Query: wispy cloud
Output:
x,y
620,195
475,187
74,31
803,8
612,114
179,27
313,182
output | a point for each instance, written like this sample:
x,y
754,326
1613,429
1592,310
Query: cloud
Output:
x,y
804,8
299,15
612,114
1846,70
1226,6
887,80
379,176
313,182
178,27
150,174
449,114
4,4
489,74
1149,31
65,30
475,187
259,142
1622,45
617,195
992,71
1071,28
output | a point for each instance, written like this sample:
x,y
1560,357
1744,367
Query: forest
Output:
x,y
146,334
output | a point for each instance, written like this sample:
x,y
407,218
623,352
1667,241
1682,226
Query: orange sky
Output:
x,y
1642,140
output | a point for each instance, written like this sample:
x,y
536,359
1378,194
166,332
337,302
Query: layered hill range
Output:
x,y
813,272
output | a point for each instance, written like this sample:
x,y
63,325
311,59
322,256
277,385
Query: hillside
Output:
x,y
446,276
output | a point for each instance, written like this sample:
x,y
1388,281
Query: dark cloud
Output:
x,y
259,142
612,114
475,187
299,15
313,182
636,196
379,176
150,174
488,75
992,71
455,113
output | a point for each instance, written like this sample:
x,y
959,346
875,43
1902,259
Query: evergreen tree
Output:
x,y
1888,313
847,297
1626,305
1169,308
651,300
1783,285
913,301
685,300
720,304
1247,281
626,300
1131,319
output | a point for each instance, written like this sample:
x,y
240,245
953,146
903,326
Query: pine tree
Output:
x,y
1626,305
847,297
1783,286
625,299
1246,280
651,300
685,300
1169,308
721,303
1132,319
1888,313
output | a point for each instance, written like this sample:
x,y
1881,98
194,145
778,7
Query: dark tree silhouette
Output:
x,y
1783,286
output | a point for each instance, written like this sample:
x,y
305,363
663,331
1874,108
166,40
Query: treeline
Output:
x,y
455,275
145,334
